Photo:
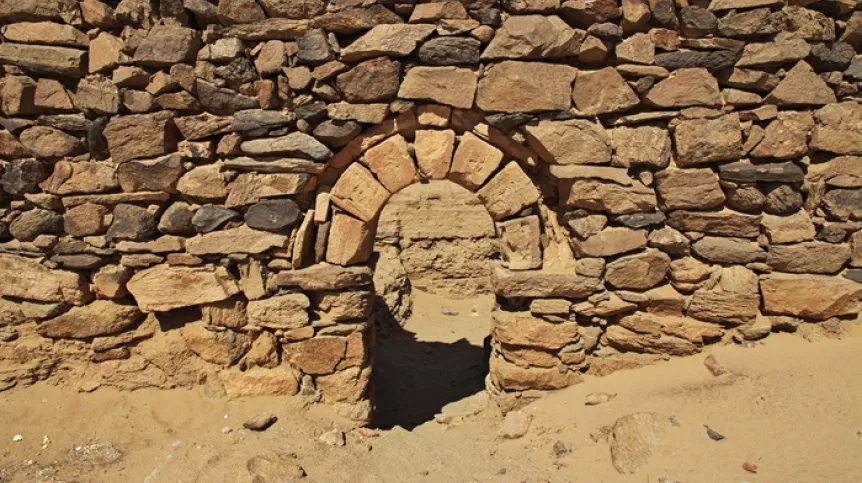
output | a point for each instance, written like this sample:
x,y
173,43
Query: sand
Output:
x,y
791,406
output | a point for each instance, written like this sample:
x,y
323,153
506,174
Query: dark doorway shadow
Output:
x,y
414,380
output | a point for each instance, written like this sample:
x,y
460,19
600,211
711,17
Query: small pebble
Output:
x,y
226,430
560,449
17,438
714,366
451,312
596,398
261,422
713,435
334,437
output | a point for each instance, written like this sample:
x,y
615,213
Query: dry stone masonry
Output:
x,y
190,189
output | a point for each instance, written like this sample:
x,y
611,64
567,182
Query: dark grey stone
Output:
x,y
855,70
132,222
314,48
450,51
96,141
487,16
828,58
697,21
748,199
782,199
508,121
312,113
211,217
23,176
81,261
239,71
273,215
223,102
177,220
712,60
66,122
854,274
663,13
607,31
336,133
640,220
33,223
745,172
832,234
259,122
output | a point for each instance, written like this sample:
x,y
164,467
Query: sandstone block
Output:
x,y
325,277
534,37
236,240
448,85
616,199
289,311
602,92
685,88
359,193
520,244
728,308
512,86
162,287
645,146
700,141
350,241
686,189
140,136
509,192
523,329
319,355
394,40
728,250
801,87
838,128
45,60
817,297
474,161
281,381
391,162
100,318
613,241
541,283
640,271
808,257
434,152
553,141
725,222
27,279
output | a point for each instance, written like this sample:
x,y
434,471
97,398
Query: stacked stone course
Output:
x,y
189,189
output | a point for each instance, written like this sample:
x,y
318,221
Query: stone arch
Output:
x,y
434,142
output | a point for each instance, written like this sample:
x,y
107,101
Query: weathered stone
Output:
x,y
289,311
140,136
434,152
613,241
553,141
352,20
160,174
45,33
222,348
700,141
162,287
728,250
45,60
450,51
110,281
343,306
637,49
510,191
522,329
236,240
747,23
645,146
669,241
394,40
602,92
27,279
296,9
534,37
515,378
204,182
239,12
616,199
474,161
223,101
314,48
293,144
782,199
837,129
97,319
325,277
249,188
787,47
446,85
512,86
431,12
711,60
724,222
83,177
319,355
33,223
685,189
788,229
816,297
359,193
392,163
810,24
639,271
281,381
132,222
834,56
371,81
542,283
47,142
623,338
520,243
350,241
106,53
801,87
808,257
684,88
746,172
272,215
166,45
84,220
364,113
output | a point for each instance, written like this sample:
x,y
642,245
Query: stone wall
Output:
x,y
190,188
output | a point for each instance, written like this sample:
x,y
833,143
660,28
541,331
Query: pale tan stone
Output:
x,y
553,140
289,311
281,381
434,152
236,240
350,241
602,92
250,188
523,329
100,318
391,162
613,241
448,85
520,244
788,229
512,86
684,88
509,192
474,161
359,193
613,198
162,287
27,279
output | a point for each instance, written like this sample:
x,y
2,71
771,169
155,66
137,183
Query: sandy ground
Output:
x,y
790,406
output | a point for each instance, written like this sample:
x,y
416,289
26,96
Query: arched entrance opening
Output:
x,y
432,273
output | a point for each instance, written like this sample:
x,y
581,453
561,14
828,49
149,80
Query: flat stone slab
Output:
x,y
541,283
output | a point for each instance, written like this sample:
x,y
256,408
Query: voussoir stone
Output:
x,y
534,37
359,193
163,287
509,192
512,86
474,161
